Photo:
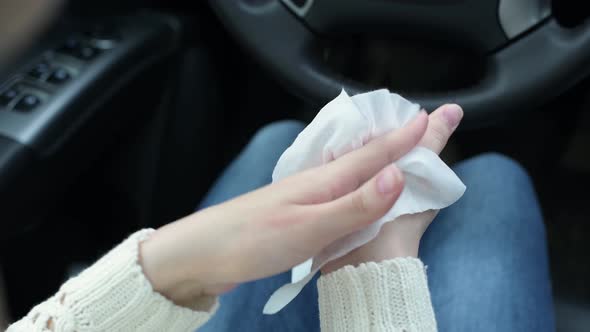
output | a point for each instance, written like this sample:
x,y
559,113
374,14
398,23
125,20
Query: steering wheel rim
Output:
x,y
522,73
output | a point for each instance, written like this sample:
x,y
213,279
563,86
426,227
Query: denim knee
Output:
x,y
487,253
492,166
279,131
501,196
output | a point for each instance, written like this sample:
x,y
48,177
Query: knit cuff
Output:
x,y
115,295
388,296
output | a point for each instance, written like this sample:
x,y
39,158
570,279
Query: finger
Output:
x,y
359,208
350,171
441,124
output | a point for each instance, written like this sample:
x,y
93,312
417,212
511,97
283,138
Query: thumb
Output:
x,y
441,125
361,207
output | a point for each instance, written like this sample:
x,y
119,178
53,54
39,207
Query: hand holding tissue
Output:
x,y
346,124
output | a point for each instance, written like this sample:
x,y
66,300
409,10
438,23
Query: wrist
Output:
x,y
168,262
161,268
376,251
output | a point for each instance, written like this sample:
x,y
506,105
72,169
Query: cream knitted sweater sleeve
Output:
x,y
374,297
114,295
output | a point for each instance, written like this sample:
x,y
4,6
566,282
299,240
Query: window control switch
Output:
x,y
27,103
59,76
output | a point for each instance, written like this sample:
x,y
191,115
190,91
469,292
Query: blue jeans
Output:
x,y
486,254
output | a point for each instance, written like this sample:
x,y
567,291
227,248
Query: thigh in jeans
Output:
x,y
487,254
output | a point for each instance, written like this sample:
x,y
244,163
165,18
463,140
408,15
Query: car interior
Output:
x,y
121,114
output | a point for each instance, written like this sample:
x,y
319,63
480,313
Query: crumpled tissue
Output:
x,y
345,124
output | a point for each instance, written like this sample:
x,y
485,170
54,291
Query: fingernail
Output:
x,y
453,115
388,179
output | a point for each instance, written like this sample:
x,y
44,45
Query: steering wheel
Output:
x,y
530,57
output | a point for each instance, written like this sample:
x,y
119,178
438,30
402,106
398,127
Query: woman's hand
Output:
x,y
401,237
272,229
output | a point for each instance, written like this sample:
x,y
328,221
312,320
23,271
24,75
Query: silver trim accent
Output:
x,y
300,11
517,16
